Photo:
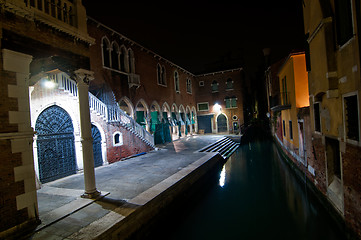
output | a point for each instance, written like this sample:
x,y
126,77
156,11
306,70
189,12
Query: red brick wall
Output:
x,y
318,151
204,94
145,67
351,160
9,189
131,143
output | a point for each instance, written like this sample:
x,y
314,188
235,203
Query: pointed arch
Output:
x,y
165,107
105,46
126,105
123,59
115,55
142,113
176,81
155,106
159,74
164,76
131,61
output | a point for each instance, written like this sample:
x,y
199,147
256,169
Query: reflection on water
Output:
x,y
257,197
222,176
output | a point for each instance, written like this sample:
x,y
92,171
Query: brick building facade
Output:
x,y
332,121
220,101
77,94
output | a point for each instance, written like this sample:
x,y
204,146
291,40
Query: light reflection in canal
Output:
x,y
255,197
222,177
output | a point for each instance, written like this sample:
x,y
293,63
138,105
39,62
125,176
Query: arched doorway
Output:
x,y
55,144
142,114
222,123
97,146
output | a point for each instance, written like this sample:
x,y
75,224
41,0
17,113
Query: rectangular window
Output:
x,y
284,92
291,133
333,159
234,102
316,113
344,27
351,117
189,85
203,106
231,102
284,128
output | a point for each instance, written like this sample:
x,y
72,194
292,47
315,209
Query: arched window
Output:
x,y
189,85
164,82
115,56
159,74
117,139
176,81
105,51
214,86
229,84
131,61
122,59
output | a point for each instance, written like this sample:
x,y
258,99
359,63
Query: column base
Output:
x,y
92,195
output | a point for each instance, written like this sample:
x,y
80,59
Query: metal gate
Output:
x,y
222,123
55,143
97,146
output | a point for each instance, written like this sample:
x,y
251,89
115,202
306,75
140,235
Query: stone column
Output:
x,y
83,77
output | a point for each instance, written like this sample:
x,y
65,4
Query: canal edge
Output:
x,y
322,199
130,219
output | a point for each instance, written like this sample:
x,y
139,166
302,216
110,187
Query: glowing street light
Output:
x,y
48,83
217,107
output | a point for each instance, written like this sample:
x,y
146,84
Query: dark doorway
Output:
x,y
222,123
204,123
97,146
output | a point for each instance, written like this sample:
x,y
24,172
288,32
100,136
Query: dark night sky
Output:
x,y
204,36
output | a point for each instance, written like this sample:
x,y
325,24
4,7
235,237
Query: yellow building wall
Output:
x,y
290,114
301,81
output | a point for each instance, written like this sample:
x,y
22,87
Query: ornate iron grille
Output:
x,y
55,143
97,146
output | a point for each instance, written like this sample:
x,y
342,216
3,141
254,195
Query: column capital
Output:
x,y
84,76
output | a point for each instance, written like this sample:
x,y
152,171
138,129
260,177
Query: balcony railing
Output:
x,y
281,101
115,114
133,80
68,16
62,10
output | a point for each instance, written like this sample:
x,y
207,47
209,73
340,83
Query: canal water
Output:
x,y
256,196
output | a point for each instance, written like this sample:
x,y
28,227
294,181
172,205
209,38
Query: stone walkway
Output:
x,y
125,186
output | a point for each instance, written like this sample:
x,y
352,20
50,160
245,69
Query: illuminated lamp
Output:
x,y
47,82
217,107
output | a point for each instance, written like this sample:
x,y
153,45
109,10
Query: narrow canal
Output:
x,y
256,196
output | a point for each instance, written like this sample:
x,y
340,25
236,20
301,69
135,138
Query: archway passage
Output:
x,y
55,144
97,146
222,123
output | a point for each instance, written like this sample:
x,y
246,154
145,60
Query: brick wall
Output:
x,y
8,188
146,67
204,94
131,144
351,165
7,104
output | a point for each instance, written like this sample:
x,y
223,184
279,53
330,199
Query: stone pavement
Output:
x,y
125,186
